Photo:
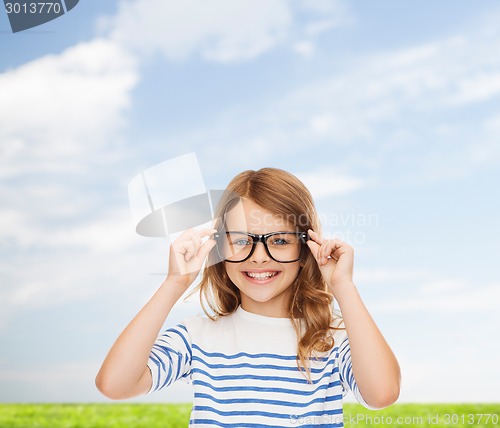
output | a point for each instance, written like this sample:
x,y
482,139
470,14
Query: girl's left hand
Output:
x,y
335,259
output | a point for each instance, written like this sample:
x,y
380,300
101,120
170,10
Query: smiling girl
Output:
x,y
271,352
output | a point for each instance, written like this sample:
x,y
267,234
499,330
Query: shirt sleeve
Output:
x,y
346,375
170,358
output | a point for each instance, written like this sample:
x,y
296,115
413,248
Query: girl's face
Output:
x,y
263,282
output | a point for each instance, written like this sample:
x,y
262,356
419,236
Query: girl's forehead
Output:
x,y
249,216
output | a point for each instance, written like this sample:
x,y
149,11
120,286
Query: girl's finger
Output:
x,y
328,249
325,246
316,237
207,232
203,244
195,237
314,247
316,252
325,251
190,249
205,248
207,235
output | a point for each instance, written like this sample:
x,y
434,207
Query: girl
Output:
x,y
272,352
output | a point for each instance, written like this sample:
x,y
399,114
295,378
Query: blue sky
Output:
x,y
387,110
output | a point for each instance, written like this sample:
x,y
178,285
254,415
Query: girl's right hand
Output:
x,y
187,254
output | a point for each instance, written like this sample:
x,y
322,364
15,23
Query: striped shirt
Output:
x,y
244,372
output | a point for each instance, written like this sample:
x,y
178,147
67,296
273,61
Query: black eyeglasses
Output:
x,y
283,247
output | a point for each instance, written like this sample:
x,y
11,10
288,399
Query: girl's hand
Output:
x,y
187,254
335,259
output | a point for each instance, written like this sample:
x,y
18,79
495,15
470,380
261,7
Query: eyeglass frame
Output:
x,y
256,238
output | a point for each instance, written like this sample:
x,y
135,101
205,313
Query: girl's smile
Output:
x,y
261,276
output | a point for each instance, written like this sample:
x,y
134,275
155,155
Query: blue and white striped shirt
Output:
x,y
244,372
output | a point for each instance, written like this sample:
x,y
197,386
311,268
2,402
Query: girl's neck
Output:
x,y
271,309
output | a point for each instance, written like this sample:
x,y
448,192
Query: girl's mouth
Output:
x,y
261,277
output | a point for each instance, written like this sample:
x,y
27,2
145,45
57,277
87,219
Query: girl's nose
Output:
x,y
260,254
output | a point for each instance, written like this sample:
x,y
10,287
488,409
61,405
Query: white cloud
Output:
x,y
325,183
114,231
305,49
64,275
70,382
389,275
445,296
330,14
221,30
432,378
381,113
58,108
382,88
57,114
60,116
442,286
492,124
480,87
110,232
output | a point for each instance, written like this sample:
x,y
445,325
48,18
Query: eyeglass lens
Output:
x,y
283,247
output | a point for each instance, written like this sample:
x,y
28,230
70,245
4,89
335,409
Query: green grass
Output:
x,y
94,415
177,416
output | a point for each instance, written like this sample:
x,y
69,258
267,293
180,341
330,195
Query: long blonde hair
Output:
x,y
310,304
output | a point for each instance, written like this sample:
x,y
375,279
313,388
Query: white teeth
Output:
x,y
261,275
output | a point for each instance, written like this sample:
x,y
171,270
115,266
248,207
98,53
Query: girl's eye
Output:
x,y
279,241
241,242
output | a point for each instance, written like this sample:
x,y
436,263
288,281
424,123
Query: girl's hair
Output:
x,y
310,305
